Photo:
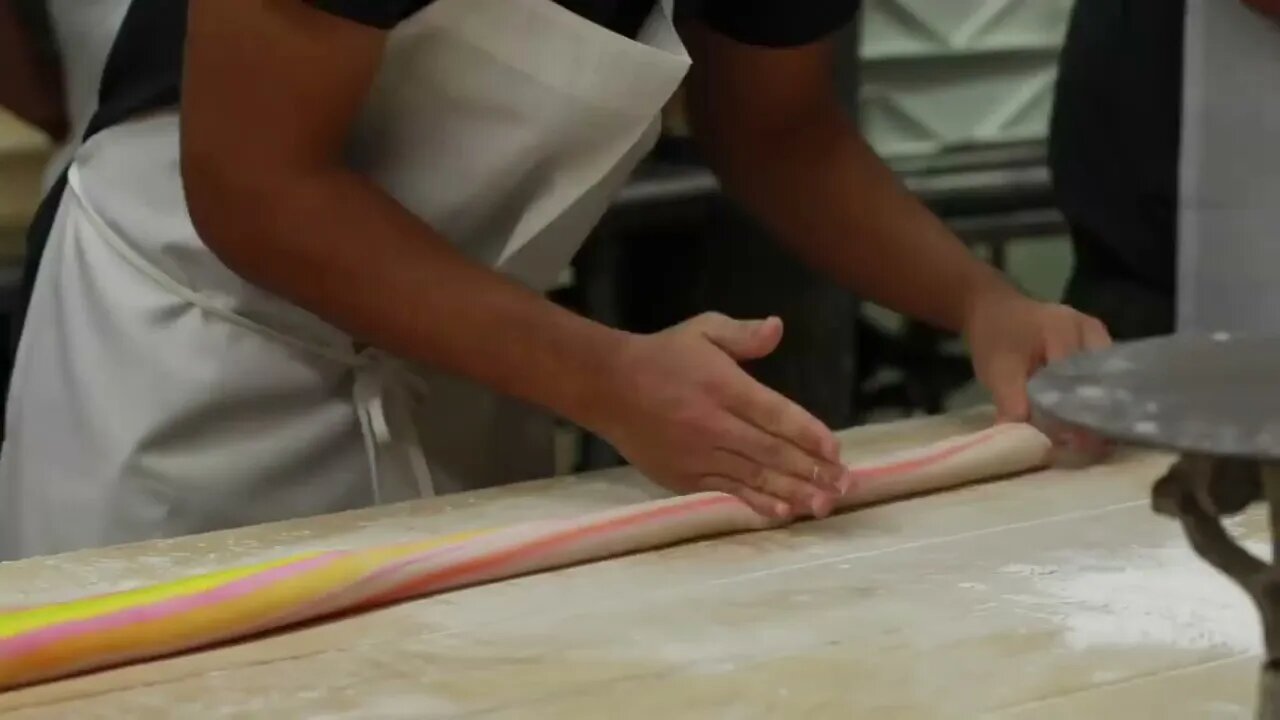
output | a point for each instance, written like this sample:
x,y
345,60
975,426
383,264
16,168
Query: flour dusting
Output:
x,y
1138,597
79,575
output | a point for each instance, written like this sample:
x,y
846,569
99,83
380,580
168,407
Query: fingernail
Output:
x,y
821,507
847,482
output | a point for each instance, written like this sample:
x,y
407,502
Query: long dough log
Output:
x,y
45,643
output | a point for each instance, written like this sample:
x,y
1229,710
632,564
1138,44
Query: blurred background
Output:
x,y
956,94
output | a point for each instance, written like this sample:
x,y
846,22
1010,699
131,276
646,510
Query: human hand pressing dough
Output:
x,y
687,415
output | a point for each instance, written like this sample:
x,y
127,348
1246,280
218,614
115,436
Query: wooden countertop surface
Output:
x,y
1055,595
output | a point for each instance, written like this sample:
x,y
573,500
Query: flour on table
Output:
x,y
1137,597
102,575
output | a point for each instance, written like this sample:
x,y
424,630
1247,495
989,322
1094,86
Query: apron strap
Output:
x,y
121,93
383,388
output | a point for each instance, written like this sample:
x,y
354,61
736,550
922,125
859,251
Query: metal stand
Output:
x,y
1212,398
1199,491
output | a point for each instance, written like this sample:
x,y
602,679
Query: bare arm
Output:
x,y
262,139
30,84
263,134
776,134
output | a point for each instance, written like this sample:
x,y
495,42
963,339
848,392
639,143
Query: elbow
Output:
x,y
217,189
256,214
240,208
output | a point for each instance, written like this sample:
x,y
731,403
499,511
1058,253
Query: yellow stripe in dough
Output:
x,y
29,619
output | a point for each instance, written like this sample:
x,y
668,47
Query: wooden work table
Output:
x,y
991,601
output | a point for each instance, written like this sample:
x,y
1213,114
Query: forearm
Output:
x,y
30,85
338,246
823,190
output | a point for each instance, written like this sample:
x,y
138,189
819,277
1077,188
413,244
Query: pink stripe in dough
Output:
x,y
283,620
411,587
317,607
904,466
459,574
441,579
28,643
34,640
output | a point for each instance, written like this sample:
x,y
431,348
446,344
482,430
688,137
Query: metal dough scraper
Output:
x,y
1216,400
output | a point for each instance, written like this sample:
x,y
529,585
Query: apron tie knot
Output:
x,y
384,391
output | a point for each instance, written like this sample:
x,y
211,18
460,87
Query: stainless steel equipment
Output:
x,y
1216,399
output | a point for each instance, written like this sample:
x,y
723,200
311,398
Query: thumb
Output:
x,y
743,339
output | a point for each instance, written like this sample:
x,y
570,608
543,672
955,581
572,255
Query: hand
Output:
x,y
691,419
1010,336
1073,447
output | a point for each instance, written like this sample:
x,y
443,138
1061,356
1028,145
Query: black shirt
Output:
x,y
144,69
1115,137
759,22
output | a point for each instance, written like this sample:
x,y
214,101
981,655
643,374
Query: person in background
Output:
x,y
1128,78
299,265
1229,169
54,52
1114,159
31,84
84,31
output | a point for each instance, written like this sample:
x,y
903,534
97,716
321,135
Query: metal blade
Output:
x,y
1211,394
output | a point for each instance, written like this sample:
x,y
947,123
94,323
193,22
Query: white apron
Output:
x,y
155,393
1229,196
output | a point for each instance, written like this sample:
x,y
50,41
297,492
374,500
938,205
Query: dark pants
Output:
x,y
1101,287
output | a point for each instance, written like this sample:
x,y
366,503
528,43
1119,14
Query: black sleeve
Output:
x,y
376,13
777,23
34,17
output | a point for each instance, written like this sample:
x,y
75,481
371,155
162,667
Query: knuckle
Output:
x,y
711,482
793,491
761,505
710,318
828,475
1061,315
718,386
777,413
699,426
775,451
768,411
812,435
770,482
689,416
